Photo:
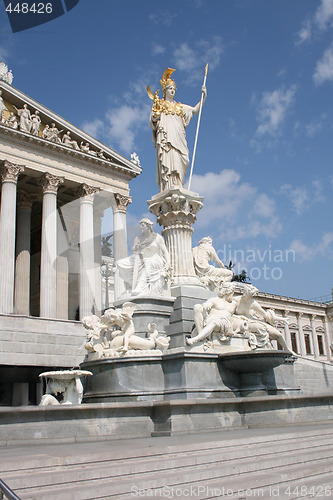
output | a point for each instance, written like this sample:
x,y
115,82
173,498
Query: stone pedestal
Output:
x,y
176,210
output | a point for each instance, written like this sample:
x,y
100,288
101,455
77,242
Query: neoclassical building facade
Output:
x,y
57,181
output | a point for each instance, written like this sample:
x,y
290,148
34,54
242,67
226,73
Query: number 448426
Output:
x,y
24,8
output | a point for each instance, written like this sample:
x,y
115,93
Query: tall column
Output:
x,y
176,210
48,269
119,238
327,338
287,331
62,264
87,271
9,175
301,334
98,216
314,336
22,264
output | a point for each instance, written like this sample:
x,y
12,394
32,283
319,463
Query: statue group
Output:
x,y
232,311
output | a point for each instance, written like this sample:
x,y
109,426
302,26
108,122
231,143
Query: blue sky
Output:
x,y
265,148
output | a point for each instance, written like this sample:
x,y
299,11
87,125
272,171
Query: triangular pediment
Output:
x,y
25,117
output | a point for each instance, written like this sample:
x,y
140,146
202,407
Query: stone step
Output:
x,y
242,487
84,471
75,472
86,487
114,451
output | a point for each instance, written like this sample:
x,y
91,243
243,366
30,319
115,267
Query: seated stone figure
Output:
x,y
260,322
226,316
209,275
215,316
147,271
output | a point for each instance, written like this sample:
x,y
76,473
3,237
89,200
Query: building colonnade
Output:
x,y
15,245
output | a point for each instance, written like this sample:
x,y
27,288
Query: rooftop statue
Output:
x,y
168,120
2,106
35,123
25,118
5,75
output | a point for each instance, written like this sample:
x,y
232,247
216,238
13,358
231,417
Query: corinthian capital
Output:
x,y
25,200
10,171
122,202
50,183
87,193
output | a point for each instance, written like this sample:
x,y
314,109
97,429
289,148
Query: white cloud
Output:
x,y
240,210
324,14
164,17
3,53
323,248
264,206
302,198
304,33
314,127
272,110
298,197
124,122
157,49
320,21
324,67
193,59
94,127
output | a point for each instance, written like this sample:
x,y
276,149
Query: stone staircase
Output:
x,y
289,463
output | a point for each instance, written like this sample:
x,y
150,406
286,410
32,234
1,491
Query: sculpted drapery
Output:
x,y
168,120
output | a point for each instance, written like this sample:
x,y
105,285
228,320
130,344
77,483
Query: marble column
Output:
x,y
327,338
287,331
119,237
22,264
62,263
314,336
301,334
98,217
176,210
9,175
87,270
48,268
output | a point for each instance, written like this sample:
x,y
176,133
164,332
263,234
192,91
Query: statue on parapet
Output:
x,y
209,275
168,121
226,316
5,74
147,271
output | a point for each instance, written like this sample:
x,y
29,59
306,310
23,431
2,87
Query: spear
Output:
x,y
197,132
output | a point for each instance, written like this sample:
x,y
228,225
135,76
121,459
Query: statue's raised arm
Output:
x,y
168,120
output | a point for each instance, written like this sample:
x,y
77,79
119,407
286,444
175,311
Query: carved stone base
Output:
x,y
176,209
